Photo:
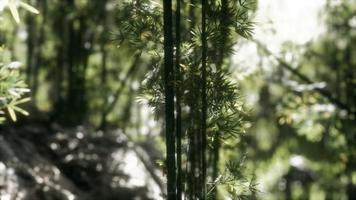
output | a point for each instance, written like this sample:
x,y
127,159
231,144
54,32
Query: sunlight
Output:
x,y
288,20
152,99
277,22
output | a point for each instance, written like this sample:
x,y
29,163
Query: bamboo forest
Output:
x,y
177,99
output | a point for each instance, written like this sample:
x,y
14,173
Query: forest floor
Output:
x,y
48,162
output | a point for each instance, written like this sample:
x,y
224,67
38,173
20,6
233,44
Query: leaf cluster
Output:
x,y
140,25
13,5
234,179
226,111
12,89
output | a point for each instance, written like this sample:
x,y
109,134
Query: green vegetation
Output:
x,y
138,99
302,141
12,86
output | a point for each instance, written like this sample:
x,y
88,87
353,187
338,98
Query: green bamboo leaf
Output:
x,y
29,8
20,110
22,101
12,113
13,10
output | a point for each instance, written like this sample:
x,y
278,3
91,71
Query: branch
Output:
x,y
122,85
323,92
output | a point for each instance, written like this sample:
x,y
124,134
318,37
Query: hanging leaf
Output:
x,y
14,4
20,110
13,9
12,113
29,8
22,101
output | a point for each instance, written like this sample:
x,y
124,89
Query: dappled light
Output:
x,y
173,99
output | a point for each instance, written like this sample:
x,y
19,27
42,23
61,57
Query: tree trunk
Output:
x,y
168,76
204,102
178,104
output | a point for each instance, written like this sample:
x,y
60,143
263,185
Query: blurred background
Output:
x,y
90,135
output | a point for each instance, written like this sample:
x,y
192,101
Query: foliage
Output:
x,y
12,89
99,65
12,86
13,6
304,116
226,113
